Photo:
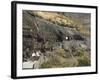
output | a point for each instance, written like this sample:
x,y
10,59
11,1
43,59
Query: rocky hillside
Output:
x,y
61,38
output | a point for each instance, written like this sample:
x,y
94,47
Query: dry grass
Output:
x,y
58,19
62,20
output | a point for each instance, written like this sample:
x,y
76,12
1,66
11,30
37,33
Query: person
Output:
x,y
66,38
38,53
33,54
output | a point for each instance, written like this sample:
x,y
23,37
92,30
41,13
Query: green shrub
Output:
x,y
51,62
80,52
84,61
46,65
61,52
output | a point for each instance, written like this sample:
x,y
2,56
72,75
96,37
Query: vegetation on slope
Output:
x,y
60,59
50,26
62,20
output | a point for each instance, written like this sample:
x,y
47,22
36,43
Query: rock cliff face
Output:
x,y
48,32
